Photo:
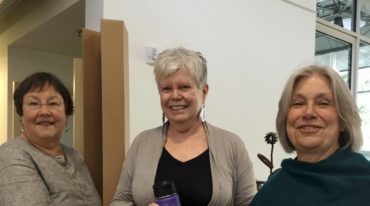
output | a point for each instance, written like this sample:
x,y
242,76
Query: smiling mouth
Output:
x,y
309,129
45,123
177,107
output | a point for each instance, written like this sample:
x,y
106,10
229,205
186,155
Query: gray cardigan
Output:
x,y
232,171
31,177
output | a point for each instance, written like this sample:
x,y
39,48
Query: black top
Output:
x,y
193,178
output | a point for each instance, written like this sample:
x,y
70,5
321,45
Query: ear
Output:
x,y
205,92
342,127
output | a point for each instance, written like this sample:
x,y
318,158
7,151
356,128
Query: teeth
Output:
x,y
308,128
177,107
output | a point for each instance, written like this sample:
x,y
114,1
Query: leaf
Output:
x,y
266,161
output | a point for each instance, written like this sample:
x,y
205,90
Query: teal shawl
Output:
x,y
341,179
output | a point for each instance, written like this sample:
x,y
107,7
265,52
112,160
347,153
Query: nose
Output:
x,y
310,112
176,94
44,109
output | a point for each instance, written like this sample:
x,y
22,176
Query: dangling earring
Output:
x,y
22,129
66,128
203,113
163,118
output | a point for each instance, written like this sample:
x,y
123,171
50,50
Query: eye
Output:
x,y
297,103
53,103
323,103
185,87
165,89
34,103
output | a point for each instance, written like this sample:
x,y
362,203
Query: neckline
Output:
x,y
188,161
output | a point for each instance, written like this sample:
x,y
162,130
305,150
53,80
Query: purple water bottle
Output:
x,y
165,194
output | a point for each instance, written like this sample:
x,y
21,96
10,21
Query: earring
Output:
x,y
66,128
163,118
22,129
203,113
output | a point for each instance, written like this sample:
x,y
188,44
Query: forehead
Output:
x,y
179,74
46,90
314,82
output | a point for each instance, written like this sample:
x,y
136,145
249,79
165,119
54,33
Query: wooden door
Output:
x,y
105,104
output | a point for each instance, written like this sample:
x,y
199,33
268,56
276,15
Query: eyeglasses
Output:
x,y
52,105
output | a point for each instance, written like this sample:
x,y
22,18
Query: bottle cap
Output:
x,y
164,188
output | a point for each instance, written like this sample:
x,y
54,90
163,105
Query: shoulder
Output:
x,y
72,152
15,148
150,135
351,159
275,180
219,135
15,154
226,146
147,140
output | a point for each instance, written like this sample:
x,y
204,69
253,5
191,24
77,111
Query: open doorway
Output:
x,y
50,47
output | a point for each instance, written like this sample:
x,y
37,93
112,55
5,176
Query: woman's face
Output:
x,y
181,100
312,120
45,122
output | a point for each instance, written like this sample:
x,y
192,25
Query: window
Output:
x,y
363,91
334,52
344,44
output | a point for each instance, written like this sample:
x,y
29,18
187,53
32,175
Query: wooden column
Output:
x,y
105,104
92,109
115,112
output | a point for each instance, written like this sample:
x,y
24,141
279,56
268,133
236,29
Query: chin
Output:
x,y
310,146
47,135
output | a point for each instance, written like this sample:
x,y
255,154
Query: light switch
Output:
x,y
150,54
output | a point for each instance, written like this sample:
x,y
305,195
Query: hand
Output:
x,y
153,204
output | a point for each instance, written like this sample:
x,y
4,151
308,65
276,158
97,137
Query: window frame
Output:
x,y
352,37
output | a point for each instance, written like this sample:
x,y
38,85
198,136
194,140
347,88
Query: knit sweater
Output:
x,y
343,179
31,177
233,180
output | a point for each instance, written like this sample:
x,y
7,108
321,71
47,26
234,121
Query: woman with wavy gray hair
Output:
x,y
209,165
319,120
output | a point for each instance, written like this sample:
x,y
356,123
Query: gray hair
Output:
x,y
349,118
170,60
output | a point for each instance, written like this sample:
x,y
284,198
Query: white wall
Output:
x,y
93,14
251,47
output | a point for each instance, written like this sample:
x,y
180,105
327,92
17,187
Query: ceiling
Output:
x,y
59,35
7,5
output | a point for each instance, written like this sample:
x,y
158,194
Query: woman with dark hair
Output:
x,y
36,168
318,119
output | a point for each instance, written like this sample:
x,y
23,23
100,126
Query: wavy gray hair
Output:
x,y
170,60
345,105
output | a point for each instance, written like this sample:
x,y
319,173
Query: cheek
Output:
x,y
162,99
199,97
335,122
291,117
28,116
332,116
